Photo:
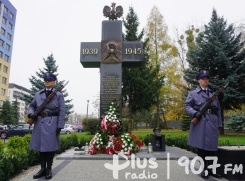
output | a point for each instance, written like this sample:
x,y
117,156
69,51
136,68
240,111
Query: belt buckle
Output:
x,y
209,111
44,114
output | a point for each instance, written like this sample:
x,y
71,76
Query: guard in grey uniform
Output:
x,y
47,127
204,135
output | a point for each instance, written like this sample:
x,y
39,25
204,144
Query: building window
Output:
x,y
3,91
10,26
5,9
1,56
9,37
4,20
5,69
11,16
1,42
7,47
6,58
4,80
2,31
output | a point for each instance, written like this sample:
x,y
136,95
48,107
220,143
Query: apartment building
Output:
x,y
15,93
7,26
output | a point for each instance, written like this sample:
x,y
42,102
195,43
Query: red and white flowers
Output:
x,y
110,140
111,122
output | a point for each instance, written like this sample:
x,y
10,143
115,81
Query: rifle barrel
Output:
x,y
65,83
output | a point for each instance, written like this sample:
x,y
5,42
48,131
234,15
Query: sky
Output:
x,y
57,27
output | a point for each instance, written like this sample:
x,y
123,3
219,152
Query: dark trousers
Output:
x,y
203,153
47,157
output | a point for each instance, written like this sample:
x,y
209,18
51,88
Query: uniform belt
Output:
x,y
48,114
210,111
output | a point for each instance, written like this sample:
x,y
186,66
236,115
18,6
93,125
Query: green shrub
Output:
x,y
65,144
33,155
91,125
1,146
147,139
16,154
6,168
125,124
224,143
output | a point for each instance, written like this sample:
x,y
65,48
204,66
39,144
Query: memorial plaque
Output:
x,y
110,85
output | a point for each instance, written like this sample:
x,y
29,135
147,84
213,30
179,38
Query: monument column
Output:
x,y
111,64
111,54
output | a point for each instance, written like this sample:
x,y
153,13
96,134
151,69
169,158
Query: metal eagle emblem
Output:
x,y
113,12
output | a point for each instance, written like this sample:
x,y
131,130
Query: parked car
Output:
x,y
78,128
16,130
68,129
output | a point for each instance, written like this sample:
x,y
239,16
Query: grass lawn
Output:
x,y
228,138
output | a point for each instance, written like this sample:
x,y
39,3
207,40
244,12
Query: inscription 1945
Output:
x,y
127,51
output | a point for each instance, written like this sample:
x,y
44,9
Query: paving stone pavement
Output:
x,y
159,166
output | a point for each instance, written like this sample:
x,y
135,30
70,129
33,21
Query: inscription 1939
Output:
x,y
89,51
127,51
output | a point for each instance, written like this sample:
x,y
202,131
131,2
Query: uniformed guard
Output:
x,y
204,135
48,124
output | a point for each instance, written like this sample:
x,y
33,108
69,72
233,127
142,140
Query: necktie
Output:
x,y
207,92
48,92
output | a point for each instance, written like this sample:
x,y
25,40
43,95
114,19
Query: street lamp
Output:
x,y
87,108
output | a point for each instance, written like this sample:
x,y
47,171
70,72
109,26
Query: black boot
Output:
x,y
49,170
205,173
41,172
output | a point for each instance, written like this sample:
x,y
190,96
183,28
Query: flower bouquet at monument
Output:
x,y
127,144
97,143
111,139
111,122
137,142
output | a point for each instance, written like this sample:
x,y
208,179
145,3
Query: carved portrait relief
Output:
x,y
111,52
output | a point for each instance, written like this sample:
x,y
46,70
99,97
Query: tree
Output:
x,y
240,28
236,122
185,122
222,53
37,83
7,113
163,55
142,116
185,43
16,113
138,85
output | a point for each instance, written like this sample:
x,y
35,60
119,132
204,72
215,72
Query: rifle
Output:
x,y
205,106
45,102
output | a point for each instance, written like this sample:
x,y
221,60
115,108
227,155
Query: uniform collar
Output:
x,y
42,91
199,89
49,89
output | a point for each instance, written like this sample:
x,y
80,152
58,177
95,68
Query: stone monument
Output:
x,y
110,55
